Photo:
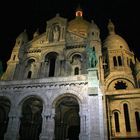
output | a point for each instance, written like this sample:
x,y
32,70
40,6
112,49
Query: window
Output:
x,y
126,117
50,60
119,61
76,71
93,48
120,85
137,116
29,74
115,61
52,67
116,118
14,57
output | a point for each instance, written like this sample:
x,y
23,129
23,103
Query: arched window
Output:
x,y
115,61
52,67
120,60
30,61
126,117
50,60
137,116
93,48
29,74
116,118
93,33
14,57
76,71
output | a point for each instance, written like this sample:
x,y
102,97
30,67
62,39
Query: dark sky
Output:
x,y
17,15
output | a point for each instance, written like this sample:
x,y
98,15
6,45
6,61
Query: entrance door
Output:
x,y
73,132
67,121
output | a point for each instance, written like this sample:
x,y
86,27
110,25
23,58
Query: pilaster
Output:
x,y
48,125
13,125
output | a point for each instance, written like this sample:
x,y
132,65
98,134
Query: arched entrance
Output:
x,y
31,120
67,120
4,111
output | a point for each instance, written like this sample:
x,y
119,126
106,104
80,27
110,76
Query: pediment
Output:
x,y
74,38
56,20
40,40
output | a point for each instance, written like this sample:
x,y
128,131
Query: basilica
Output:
x,y
68,84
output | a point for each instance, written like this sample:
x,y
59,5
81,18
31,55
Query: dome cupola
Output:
x,y
79,25
114,41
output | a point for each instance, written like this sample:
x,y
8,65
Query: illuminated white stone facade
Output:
x,y
50,91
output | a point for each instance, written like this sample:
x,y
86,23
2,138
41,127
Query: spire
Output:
x,y
36,33
79,11
111,27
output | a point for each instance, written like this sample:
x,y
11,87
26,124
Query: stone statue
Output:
x,y
56,33
91,57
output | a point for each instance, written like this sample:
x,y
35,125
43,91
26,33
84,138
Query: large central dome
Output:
x,y
79,25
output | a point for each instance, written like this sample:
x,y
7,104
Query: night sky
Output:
x,y
32,14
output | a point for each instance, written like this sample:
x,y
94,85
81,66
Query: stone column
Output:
x,y
13,125
112,124
47,125
83,126
57,67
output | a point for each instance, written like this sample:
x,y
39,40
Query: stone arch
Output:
x,y
31,118
116,110
45,53
69,94
30,58
67,119
126,83
29,67
5,105
76,61
73,53
25,97
125,102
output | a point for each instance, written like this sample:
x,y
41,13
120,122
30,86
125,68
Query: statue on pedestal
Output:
x,y
91,57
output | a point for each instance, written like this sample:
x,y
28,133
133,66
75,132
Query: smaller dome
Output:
x,y
114,41
93,26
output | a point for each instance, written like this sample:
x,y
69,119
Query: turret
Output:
x,y
118,59
17,53
137,70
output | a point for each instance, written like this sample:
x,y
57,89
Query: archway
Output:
x,y
4,111
31,121
67,120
